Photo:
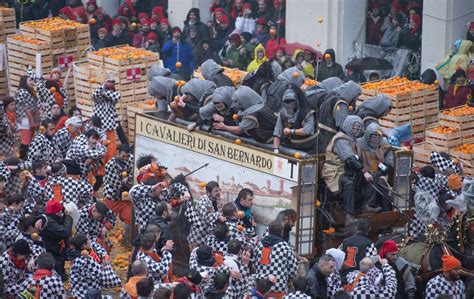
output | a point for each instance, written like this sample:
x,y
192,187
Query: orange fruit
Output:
x,y
203,184
240,228
235,117
108,142
124,173
81,102
436,82
320,20
296,75
179,65
238,141
42,129
317,203
176,98
297,155
327,56
92,21
85,253
34,236
240,214
134,25
92,81
52,89
125,194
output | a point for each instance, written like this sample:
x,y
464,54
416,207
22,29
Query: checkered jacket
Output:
x,y
104,107
85,273
416,227
92,228
367,288
88,125
202,221
35,191
80,151
108,277
73,190
237,287
9,226
24,102
4,172
36,247
334,283
8,137
143,204
62,140
45,96
51,286
283,264
14,279
297,295
113,179
42,148
13,183
156,270
439,285
217,245
250,231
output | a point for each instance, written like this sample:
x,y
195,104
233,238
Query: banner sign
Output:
x,y
134,74
65,61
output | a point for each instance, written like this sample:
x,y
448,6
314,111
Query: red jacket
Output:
x,y
272,45
458,95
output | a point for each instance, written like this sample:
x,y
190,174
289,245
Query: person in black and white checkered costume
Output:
x,y
45,282
42,146
442,162
28,232
220,238
8,128
203,213
44,94
300,285
144,199
365,286
14,167
10,217
105,98
14,274
95,220
157,266
64,137
275,256
87,151
449,282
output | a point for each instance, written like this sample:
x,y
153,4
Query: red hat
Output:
x,y
247,6
396,6
104,30
158,10
154,20
235,37
221,10
224,20
152,36
262,21
471,25
388,247
53,207
176,29
164,21
144,22
280,47
450,263
142,15
68,12
115,22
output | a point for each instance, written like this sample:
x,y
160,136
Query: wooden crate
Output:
x,y
467,161
3,84
132,110
422,152
445,140
463,122
7,23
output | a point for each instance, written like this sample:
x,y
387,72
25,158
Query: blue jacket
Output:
x,y
170,56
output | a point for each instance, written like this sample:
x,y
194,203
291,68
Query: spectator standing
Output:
x,y
392,33
329,68
235,54
411,37
374,24
245,22
100,42
459,91
118,36
261,31
194,38
140,38
260,58
177,55
274,42
193,19
165,29
221,33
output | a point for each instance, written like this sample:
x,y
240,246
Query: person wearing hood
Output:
x,y
372,109
245,22
334,280
274,255
216,108
194,93
329,68
318,277
235,56
307,68
260,58
221,34
206,53
355,74
334,110
406,286
377,159
460,90
162,87
274,94
254,118
178,55
342,164
212,71
193,19
410,37
296,123
390,38
274,42
194,38
317,94
260,79
157,70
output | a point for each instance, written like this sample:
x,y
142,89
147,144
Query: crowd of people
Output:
x,y
394,24
65,181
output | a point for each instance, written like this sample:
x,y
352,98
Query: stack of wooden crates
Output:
x,y
42,43
419,106
7,27
115,63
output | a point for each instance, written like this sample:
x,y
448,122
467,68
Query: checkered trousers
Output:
x,y
8,137
92,228
114,182
51,286
108,277
367,288
42,148
104,107
297,295
156,270
72,190
9,226
62,140
283,264
202,221
439,285
13,278
85,273
334,283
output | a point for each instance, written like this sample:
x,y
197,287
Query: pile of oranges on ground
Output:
x,y
53,24
123,53
459,111
444,130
